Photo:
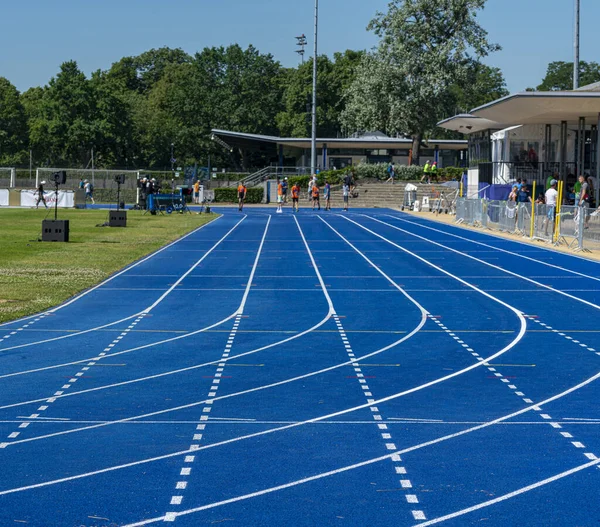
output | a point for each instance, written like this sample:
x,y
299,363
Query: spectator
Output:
x,y
197,191
346,193
89,191
284,187
391,170
584,201
551,198
551,178
433,171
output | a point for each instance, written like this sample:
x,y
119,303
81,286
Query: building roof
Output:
x,y
466,123
371,141
530,108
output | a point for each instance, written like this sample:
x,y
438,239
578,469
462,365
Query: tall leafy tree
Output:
x,y
559,76
13,125
333,78
425,48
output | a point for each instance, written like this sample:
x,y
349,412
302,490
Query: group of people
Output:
x,y
314,193
583,191
147,187
429,172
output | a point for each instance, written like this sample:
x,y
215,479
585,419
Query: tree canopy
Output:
x,y
427,57
559,75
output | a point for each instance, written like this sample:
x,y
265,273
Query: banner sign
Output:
x,y
3,198
65,198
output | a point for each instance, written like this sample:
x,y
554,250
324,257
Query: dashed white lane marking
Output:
x,y
29,323
71,381
546,417
399,467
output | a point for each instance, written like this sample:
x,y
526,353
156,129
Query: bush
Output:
x,y
409,173
229,195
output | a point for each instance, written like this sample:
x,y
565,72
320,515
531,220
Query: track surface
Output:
x,y
362,369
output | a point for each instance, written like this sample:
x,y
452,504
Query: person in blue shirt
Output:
x,y
327,195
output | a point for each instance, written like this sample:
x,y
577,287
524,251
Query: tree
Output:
x,y
13,125
559,76
426,47
333,78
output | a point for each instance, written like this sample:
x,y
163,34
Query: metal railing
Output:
x,y
576,227
273,171
503,172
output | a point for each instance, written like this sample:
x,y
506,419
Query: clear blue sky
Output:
x,y
38,35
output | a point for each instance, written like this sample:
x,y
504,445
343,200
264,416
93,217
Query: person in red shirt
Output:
x,y
315,196
295,196
241,196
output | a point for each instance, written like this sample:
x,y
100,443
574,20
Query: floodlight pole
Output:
x,y
313,141
576,44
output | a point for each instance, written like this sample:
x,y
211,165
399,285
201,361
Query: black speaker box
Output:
x,y
55,230
117,218
60,178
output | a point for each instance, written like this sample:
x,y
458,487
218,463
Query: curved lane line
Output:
x,y
144,311
104,282
278,429
512,253
595,306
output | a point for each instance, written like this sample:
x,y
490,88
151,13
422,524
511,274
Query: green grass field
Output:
x,y
37,275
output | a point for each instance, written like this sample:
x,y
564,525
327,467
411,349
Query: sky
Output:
x,y
38,35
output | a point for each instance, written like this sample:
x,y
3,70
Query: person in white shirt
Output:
x,y
551,197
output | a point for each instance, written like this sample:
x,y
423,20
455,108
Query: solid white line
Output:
x,y
184,275
393,456
539,284
128,268
252,273
510,494
143,312
468,284
513,253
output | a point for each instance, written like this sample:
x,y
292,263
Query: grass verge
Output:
x,y
38,275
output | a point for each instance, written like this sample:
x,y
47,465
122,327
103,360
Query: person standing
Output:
x,y
241,195
284,186
81,183
315,196
311,183
346,194
327,195
295,196
279,196
40,193
197,192
89,191
584,201
391,170
551,197
550,179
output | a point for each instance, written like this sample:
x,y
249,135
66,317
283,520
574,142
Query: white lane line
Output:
x,y
386,435
90,290
512,253
539,284
510,495
395,457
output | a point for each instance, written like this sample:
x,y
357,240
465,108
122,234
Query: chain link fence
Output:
x,y
574,227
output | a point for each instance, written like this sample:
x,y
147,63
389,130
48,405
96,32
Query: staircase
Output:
x,y
384,195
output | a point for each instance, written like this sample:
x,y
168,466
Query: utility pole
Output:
x,y
576,44
313,141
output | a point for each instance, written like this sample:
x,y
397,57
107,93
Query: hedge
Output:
x,y
109,195
229,195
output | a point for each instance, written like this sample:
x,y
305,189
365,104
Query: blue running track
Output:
x,y
367,368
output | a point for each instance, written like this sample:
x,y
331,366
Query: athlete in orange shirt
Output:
x,y
315,196
295,196
241,196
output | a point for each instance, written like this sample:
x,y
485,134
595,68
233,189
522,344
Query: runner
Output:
x,y
346,193
241,196
295,196
327,195
315,196
279,196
